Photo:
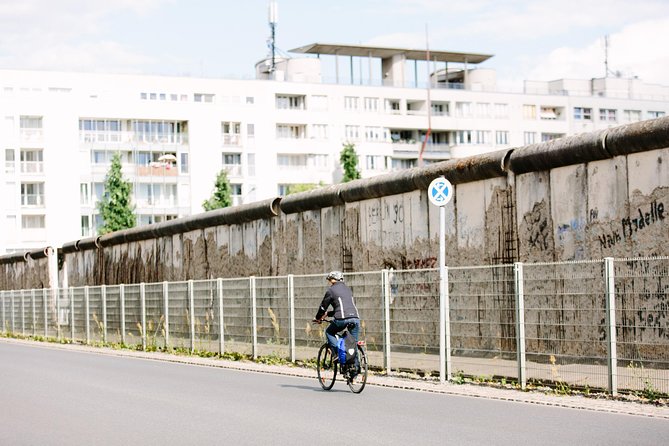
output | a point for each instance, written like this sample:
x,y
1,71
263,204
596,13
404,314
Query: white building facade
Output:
x,y
58,132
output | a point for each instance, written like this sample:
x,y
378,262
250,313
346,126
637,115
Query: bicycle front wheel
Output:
x,y
326,367
357,383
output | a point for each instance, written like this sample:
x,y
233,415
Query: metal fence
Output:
x,y
593,324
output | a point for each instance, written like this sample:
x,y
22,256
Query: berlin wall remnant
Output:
x,y
583,197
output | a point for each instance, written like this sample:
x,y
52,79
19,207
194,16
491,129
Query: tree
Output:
x,y
302,187
222,194
349,162
115,207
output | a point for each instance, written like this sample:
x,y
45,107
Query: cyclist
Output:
x,y
343,312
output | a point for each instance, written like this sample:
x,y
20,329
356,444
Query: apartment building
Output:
x,y
286,127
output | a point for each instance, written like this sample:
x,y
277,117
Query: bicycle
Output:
x,y
328,363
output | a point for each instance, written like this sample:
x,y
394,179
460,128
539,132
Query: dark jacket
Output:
x,y
340,297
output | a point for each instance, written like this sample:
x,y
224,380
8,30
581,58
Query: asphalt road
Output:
x,y
56,397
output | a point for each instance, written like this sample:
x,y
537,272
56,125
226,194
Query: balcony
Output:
x,y
232,139
31,137
32,167
32,200
234,170
157,170
90,136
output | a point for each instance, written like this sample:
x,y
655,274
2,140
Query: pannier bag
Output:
x,y
347,349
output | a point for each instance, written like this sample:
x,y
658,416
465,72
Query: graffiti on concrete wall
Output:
x,y
641,219
538,230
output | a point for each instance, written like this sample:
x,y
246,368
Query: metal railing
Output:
x,y
593,324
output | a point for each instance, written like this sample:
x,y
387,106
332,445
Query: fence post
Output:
x,y
291,297
445,367
609,275
23,312
142,305
32,302
385,287
221,328
103,297
87,308
520,323
72,313
58,332
12,314
254,322
121,297
191,312
166,312
46,312
2,302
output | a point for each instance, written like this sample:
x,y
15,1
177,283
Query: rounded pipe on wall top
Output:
x,y
41,253
559,153
322,197
638,137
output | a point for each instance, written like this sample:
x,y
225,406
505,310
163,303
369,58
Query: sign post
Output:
x,y
440,192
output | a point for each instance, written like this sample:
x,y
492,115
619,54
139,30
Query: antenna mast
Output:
x,y
273,20
429,102
606,55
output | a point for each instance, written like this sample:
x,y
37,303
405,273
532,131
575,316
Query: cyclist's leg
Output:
x,y
331,334
355,332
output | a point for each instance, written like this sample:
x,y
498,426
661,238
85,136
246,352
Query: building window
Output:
x,y
393,106
550,136
632,115
32,222
31,122
376,134
463,137
483,110
32,161
529,111
529,137
482,137
250,100
250,130
285,161
290,131
655,114
170,132
607,114
463,109
550,113
374,162
582,114
174,97
371,104
319,131
184,163
86,230
350,103
352,132
501,111
32,194
10,162
203,97
286,102
232,133
501,137
84,194
400,164
318,103
440,109
232,159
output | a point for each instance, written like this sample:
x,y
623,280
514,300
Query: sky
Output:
x,y
530,40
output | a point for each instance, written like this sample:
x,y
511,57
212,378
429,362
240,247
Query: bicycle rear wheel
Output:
x,y
357,383
326,367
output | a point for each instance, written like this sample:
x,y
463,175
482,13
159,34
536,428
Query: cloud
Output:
x,y
64,35
631,52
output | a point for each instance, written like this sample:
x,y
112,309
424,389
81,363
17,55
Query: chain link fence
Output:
x,y
593,324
